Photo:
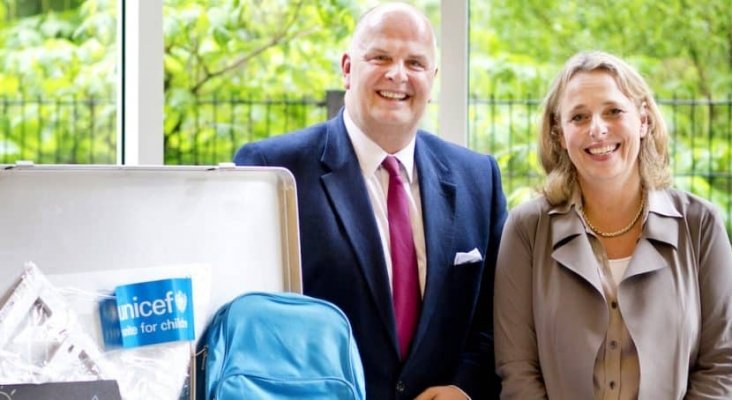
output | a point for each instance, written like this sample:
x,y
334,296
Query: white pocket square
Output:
x,y
469,257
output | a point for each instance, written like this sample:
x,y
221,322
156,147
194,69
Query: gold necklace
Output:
x,y
620,231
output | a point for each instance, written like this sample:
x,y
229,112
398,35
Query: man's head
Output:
x,y
388,73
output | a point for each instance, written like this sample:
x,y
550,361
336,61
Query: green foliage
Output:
x,y
58,82
683,48
241,52
241,70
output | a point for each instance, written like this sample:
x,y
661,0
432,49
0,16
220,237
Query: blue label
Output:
x,y
148,313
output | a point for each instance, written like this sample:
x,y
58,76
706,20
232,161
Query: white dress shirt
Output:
x,y
370,156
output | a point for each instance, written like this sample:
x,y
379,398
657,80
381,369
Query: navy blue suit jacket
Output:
x,y
343,261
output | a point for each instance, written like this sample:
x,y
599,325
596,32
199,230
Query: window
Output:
x,y
58,81
517,47
239,71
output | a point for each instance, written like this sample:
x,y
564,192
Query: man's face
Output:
x,y
389,73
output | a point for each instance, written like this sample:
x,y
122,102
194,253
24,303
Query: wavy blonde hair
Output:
x,y
561,181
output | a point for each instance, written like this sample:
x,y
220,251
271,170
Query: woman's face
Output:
x,y
601,131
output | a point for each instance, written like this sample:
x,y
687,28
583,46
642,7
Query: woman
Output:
x,y
611,285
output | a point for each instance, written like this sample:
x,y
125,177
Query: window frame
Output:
x,y
141,94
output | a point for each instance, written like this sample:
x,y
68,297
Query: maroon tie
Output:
x,y
405,281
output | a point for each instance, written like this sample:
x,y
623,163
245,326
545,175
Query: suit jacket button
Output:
x,y
400,387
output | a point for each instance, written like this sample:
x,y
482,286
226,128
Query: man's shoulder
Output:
x,y
294,139
454,155
278,149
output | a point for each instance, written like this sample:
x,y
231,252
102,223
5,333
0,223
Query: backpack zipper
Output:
x,y
203,357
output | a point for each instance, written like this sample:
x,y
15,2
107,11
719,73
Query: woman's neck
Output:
x,y
611,206
615,216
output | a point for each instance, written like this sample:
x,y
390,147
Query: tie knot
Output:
x,y
392,166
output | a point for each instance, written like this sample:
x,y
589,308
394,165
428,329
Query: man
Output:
x,y
439,346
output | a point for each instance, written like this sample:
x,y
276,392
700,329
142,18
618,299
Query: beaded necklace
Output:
x,y
620,231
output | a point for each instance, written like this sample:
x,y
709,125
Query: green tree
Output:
x,y
58,82
222,56
683,48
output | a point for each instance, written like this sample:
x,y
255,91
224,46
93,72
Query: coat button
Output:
x,y
614,304
400,387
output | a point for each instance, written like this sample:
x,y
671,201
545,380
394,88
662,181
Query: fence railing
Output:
x,y
59,131
700,130
209,131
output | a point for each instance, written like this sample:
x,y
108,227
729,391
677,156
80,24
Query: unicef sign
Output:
x,y
148,313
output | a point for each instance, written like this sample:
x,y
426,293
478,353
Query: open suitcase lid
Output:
x,y
242,221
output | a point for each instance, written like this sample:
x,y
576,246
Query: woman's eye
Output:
x,y
577,118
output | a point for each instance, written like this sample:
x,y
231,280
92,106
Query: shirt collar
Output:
x,y
370,155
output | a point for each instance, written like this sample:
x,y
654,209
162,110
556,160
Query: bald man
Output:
x,y
456,210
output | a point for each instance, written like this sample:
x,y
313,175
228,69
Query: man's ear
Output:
x,y
346,70
429,100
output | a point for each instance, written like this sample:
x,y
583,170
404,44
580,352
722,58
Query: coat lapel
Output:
x,y
661,226
437,192
572,248
347,193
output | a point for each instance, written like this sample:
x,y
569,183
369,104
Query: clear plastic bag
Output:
x,y
41,339
44,339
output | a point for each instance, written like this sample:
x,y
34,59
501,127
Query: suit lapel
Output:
x,y
437,192
348,196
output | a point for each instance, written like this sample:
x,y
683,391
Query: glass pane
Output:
x,y
58,81
238,71
681,48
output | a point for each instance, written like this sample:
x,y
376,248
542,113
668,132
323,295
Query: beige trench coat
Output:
x,y
551,314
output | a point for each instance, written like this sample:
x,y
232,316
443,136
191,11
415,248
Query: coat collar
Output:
x,y
572,247
662,220
661,228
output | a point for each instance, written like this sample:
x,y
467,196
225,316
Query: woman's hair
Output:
x,y
561,181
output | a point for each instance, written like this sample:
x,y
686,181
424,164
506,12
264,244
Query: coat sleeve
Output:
x,y
711,374
517,357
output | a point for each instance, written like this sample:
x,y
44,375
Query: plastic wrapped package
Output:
x,y
43,339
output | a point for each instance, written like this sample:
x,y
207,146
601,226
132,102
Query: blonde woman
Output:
x,y
612,285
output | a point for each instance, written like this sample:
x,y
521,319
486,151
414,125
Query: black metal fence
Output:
x,y
60,131
210,130
700,130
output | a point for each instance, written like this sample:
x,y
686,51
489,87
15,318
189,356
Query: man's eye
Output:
x,y
416,64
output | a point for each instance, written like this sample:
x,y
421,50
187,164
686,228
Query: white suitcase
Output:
x,y
77,221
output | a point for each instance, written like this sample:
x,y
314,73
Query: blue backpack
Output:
x,y
279,346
